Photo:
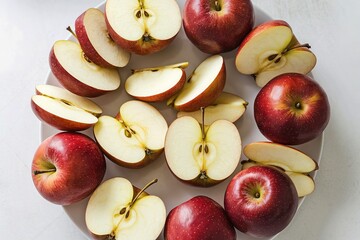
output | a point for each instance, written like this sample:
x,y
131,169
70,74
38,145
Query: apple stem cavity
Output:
x,y
181,65
37,172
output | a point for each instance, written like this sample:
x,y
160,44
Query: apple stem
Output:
x,y
181,65
217,6
296,46
202,109
52,170
298,105
71,31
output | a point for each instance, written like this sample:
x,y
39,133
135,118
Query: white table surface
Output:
x,y
28,28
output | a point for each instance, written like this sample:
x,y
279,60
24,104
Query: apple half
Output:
x,y
64,110
203,87
78,74
143,26
271,49
135,137
118,210
95,41
227,106
157,83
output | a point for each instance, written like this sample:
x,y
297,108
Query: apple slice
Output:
x,y
199,156
203,87
271,49
94,39
135,137
143,26
117,210
64,110
285,157
227,106
156,84
78,74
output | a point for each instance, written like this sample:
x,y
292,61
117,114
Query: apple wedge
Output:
x,y
199,156
156,84
94,39
64,110
227,106
118,210
282,156
203,87
143,26
78,74
135,137
271,49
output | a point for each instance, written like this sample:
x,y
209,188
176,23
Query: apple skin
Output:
x,y
198,218
215,31
79,167
291,109
264,215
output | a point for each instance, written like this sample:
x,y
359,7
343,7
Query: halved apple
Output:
x,y
199,155
227,106
135,137
143,26
157,83
282,156
118,210
64,110
271,49
95,41
78,74
203,87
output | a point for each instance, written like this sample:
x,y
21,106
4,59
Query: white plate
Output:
x,y
171,190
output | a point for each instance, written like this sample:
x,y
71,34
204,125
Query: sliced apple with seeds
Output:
x,y
227,106
135,137
203,87
282,156
157,83
78,74
94,39
271,49
118,210
64,110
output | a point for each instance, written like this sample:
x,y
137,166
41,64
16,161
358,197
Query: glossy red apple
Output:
x,y
198,218
67,167
291,109
217,26
261,201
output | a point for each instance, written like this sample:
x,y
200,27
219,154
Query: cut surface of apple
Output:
x,y
199,156
135,137
272,49
204,85
112,212
285,157
79,75
156,84
93,36
227,106
63,109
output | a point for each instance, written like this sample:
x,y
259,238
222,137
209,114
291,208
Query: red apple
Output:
x,y
198,218
67,167
261,201
291,109
217,26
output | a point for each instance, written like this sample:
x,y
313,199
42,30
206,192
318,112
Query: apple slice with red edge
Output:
x,y
118,210
271,49
64,110
203,86
227,106
95,41
78,74
199,155
135,137
157,83
143,26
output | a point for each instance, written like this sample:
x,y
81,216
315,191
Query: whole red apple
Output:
x,y
291,109
217,26
198,218
261,201
67,167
